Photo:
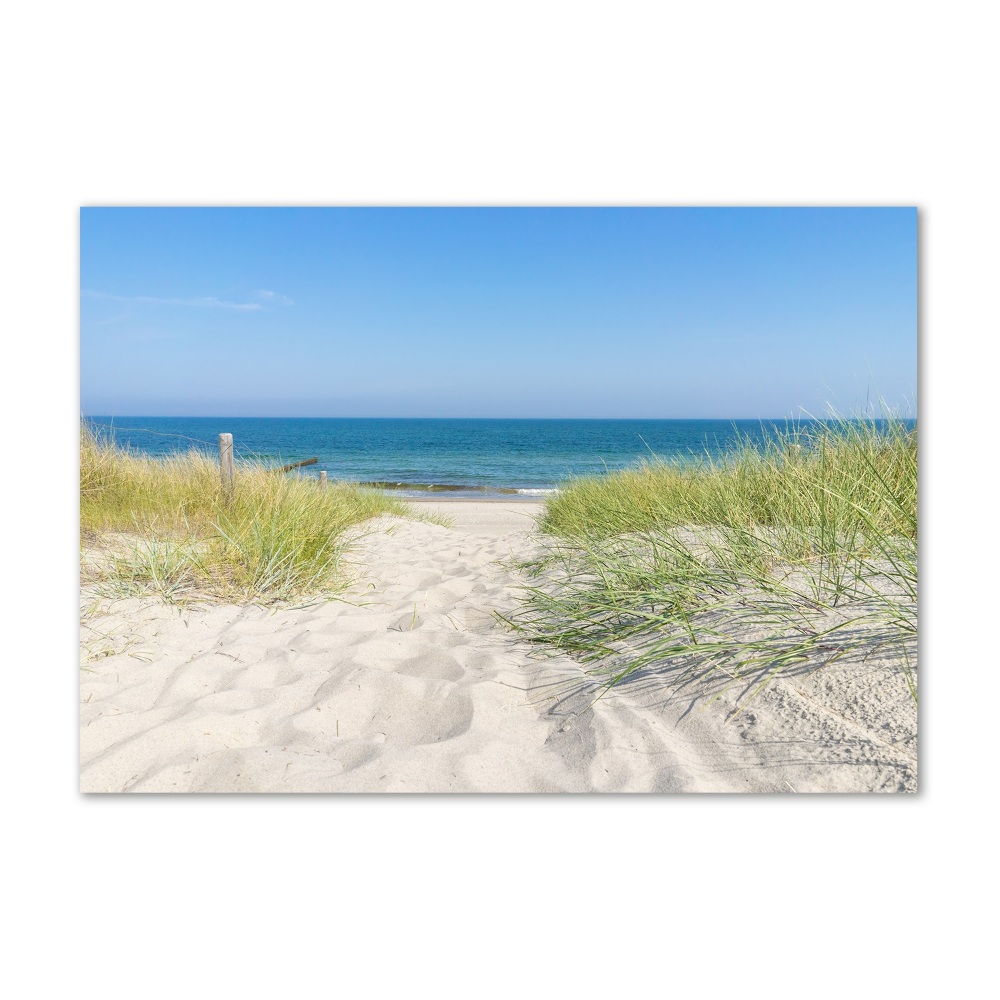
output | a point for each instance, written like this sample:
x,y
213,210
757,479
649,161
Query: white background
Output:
x,y
523,104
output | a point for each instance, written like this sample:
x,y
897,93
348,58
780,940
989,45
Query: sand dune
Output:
x,y
408,684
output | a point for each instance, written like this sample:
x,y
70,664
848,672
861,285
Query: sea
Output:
x,y
453,458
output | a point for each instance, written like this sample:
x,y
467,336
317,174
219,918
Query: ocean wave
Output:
x,y
410,487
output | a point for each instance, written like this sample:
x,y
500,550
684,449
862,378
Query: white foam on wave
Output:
x,y
536,492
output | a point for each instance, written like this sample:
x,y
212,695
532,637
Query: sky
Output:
x,y
497,312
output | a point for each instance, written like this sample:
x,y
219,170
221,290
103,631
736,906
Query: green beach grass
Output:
x,y
166,528
779,558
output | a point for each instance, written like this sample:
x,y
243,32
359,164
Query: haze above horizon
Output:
x,y
631,313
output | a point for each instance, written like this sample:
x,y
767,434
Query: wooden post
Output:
x,y
322,478
226,463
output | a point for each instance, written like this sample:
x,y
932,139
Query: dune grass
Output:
x,y
779,557
165,527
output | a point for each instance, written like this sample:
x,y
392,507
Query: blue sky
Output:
x,y
503,312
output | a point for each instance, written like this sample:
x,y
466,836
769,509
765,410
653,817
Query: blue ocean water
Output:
x,y
473,458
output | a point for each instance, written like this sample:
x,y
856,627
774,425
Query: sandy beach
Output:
x,y
407,683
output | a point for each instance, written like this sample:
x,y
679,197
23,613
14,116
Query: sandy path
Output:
x,y
413,686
